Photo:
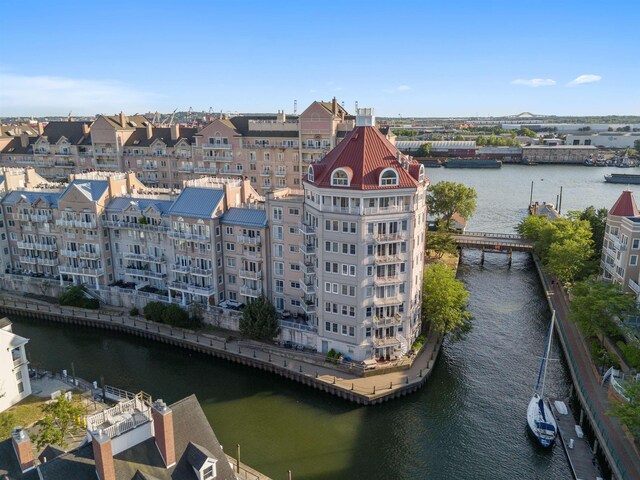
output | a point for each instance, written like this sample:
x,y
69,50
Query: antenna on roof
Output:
x,y
356,105
295,107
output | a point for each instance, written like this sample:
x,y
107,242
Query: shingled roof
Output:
x,y
139,137
625,206
364,154
72,131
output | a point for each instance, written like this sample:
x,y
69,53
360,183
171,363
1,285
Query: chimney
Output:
x,y
334,106
282,117
175,131
123,120
365,117
103,455
163,431
149,131
24,140
23,449
40,128
113,190
85,129
131,181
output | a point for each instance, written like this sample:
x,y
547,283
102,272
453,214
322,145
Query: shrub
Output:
x,y
134,312
418,343
153,311
331,353
631,354
176,316
74,296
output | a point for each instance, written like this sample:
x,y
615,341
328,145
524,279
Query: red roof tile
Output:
x,y
625,206
364,154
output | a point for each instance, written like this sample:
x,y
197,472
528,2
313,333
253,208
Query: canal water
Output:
x,y
468,422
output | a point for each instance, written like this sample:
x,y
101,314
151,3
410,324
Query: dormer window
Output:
x,y
340,178
388,177
421,174
310,175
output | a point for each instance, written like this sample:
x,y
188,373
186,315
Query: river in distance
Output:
x,y
468,422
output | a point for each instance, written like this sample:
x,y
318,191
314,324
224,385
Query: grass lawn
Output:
x,y
24,414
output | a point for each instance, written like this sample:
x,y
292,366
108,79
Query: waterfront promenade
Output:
x,y
311,370
623,457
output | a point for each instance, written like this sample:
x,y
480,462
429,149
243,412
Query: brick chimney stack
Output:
x,y
103,455
22,447
85,129
24,140
163,431
149,131
334,106
175,131
40,128
123,120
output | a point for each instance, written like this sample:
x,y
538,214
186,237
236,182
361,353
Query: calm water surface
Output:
x,y
467,423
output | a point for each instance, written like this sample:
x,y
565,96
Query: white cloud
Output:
x,y
582,79
49,95
534,82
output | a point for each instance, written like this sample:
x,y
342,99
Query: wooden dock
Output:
x,y
578,450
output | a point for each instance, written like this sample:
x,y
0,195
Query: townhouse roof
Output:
x,y
139,137
329,107
14,340
119,204
92,189
5,322
193,438
197,455
131,121
9,466
363,154
72,131
32,197
245,217
15,146
17,130
625,206
197,202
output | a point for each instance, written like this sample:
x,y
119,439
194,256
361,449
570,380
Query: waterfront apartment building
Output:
x,y
621,248
14,367
341,258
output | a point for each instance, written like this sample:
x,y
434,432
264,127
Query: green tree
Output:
x,y
446,198
260,320
440,242
62,418
444,301
597,220
629,412
424,150
75,296
594,305
568,258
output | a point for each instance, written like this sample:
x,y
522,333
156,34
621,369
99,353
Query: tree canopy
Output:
x,y
594,305
424,150
260,320
446,198
444,301
62,418
629,412
440,242
597,220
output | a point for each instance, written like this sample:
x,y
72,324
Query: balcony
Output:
x,y
22,217
384,210
206,170
249,240
138,226
306,229
41,218
64,164
144,272
250,292
28,260
249,274
201,272
88,254
180,268
386,259
379,281
379,322
382,301
381,342
308,306
389,237
150,168
307,287
107,166
37,246
266,145
185,168
48,262
265,173
252,255
194,289
281,173
307,268
634,286
188,235
62,222
106,154
216,146
308,248
89,272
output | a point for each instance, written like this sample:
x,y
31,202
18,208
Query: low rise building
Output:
x,y
605,139
570,154
14,367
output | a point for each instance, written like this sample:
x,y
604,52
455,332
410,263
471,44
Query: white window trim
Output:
x,y
397,178
334,179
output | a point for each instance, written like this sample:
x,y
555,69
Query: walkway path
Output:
x,y
612,437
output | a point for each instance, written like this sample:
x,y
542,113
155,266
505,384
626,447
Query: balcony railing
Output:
x,y
65,252
307,287
62,222
307,268
634,286
308,307
138,226
389,209
185,168
389,237
218,158
144,272
281,173
308,248
37,246
306,229
385,259
188,235
251,255
249,274
265,173
209,170
203,290
29,260
250,292
268,145
395,320
217,146
48,262
41,218
394,300
386,342
180,268
150,168
249,240
387,280
89,272
201,272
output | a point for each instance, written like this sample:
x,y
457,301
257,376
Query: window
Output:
x,y
278,250
279,286
295,284
388,177
229,230
231,262
309,174
293,231
634,260
232,279
294,211
207,473
230,246
277,232
635,243
340,178
277,213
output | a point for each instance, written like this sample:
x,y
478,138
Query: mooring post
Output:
x,y
595,446
510,256
581,416
482,257
238,459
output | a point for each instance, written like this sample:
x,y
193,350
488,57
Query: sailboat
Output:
x,y
539,417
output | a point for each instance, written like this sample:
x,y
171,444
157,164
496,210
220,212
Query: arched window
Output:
x,y
421,174
388,177
310,175
340,178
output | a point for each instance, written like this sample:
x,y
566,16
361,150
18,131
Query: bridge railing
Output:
x,y
513,236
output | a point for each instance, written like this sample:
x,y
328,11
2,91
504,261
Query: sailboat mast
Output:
x,y
548,351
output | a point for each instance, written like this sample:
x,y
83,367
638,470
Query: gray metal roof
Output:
x,y
13,197
119,204
246,217
92,189
197,202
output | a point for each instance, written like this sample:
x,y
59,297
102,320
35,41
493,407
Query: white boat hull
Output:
x,y
541,421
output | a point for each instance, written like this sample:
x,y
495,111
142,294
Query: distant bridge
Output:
x,y
494,243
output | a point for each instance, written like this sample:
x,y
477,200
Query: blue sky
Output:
x,y
410,58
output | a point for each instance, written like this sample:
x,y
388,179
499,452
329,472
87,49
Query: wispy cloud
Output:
x,y
43,94
582,79
534,82
398,89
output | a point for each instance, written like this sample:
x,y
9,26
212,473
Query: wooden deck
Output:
x,y
581,459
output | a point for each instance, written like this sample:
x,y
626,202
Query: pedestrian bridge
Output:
x,y
495,242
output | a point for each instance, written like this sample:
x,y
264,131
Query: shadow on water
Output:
x,y
467,423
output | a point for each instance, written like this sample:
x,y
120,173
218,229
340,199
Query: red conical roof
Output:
x,y
625,206
364,154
